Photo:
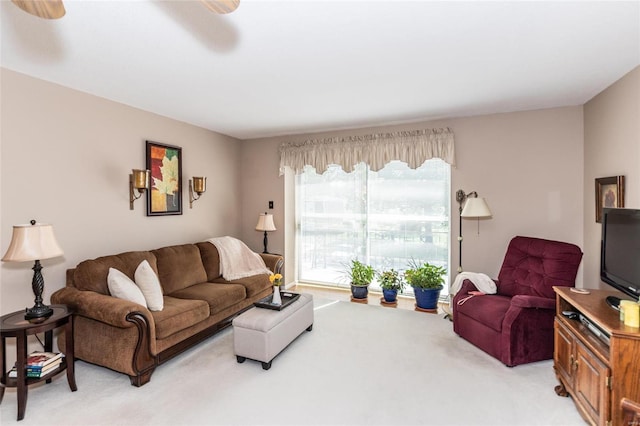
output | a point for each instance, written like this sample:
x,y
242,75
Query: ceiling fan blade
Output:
x,y
47,9
221,6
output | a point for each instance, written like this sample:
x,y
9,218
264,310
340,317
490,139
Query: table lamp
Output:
x,y
34,242
265,223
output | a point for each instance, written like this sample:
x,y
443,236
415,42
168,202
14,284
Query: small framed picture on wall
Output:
x,y
165,192
609,193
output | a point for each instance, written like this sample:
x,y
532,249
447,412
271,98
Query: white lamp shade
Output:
x,y
32,242
265,223
476,207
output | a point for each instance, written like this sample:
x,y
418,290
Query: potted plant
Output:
x,y
427,281
391,282
360,276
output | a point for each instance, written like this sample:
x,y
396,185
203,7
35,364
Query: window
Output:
x,y
383,218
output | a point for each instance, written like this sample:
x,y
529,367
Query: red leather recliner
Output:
x,y
515,325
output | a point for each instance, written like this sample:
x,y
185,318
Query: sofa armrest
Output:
x,y
524,301
274,262
100,307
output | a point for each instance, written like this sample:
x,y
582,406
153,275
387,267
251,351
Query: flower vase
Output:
x,y
276,300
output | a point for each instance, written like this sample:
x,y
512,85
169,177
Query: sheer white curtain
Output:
x,y
412,147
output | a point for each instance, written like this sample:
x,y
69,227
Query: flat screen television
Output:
x,y
620,252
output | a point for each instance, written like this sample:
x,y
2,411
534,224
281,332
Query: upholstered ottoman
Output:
x,y
261,334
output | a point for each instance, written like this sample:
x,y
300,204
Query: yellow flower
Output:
x,y
275,279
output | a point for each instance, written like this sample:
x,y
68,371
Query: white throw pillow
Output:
x,y
122,287
149,284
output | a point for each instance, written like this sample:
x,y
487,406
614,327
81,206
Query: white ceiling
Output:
x,y
284,67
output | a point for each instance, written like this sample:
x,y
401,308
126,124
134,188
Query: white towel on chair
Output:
x,y
237,260
481,281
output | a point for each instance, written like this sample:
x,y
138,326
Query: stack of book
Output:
x,y
39,364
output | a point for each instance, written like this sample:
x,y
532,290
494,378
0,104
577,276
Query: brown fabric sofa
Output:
x,y
127,337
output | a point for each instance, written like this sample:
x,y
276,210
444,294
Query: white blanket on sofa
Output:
x,y
237,260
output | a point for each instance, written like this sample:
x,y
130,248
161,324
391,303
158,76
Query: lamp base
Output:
x,y
37,313
264,241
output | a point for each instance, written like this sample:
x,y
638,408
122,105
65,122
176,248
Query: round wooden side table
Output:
x,y
14,325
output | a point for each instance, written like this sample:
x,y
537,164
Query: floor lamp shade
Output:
x,y
476,207
34,242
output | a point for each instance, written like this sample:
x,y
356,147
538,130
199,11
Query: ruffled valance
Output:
x,y
413,147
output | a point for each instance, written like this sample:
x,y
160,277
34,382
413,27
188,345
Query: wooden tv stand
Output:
x,y
596,375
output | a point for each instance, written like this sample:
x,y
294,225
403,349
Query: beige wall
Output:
x,y
612,148
66,157
528,165
260,180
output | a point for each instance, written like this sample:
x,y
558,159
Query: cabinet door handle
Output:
x,y
571,361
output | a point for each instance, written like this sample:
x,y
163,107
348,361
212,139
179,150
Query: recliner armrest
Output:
x,y
467,286
524,301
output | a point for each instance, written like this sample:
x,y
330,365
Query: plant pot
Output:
x,y
427,298
359,291
389,295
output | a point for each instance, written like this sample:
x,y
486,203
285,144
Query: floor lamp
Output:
x,y
474,207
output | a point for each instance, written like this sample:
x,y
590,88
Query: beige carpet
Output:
x,y
360,365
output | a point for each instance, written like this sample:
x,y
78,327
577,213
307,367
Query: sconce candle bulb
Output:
x,y
197,185
138,180
141,179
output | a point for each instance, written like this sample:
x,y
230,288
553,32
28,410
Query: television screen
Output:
x,y
620,256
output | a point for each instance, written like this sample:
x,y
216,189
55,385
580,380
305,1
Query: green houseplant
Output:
x,y
360,276
391,283
427,281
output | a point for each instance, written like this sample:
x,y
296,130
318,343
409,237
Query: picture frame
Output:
x,y
609,193
164,196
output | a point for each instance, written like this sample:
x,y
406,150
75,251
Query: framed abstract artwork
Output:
x,y
165,187
609,193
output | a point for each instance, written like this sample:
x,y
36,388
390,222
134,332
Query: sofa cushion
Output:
x,y
179,267
92,274
254,284
210,260
149,284
122,287
218,296
179,314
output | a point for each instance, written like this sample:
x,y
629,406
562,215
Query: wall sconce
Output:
x,y
34,242
265,223
138,180
199,186
474,207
